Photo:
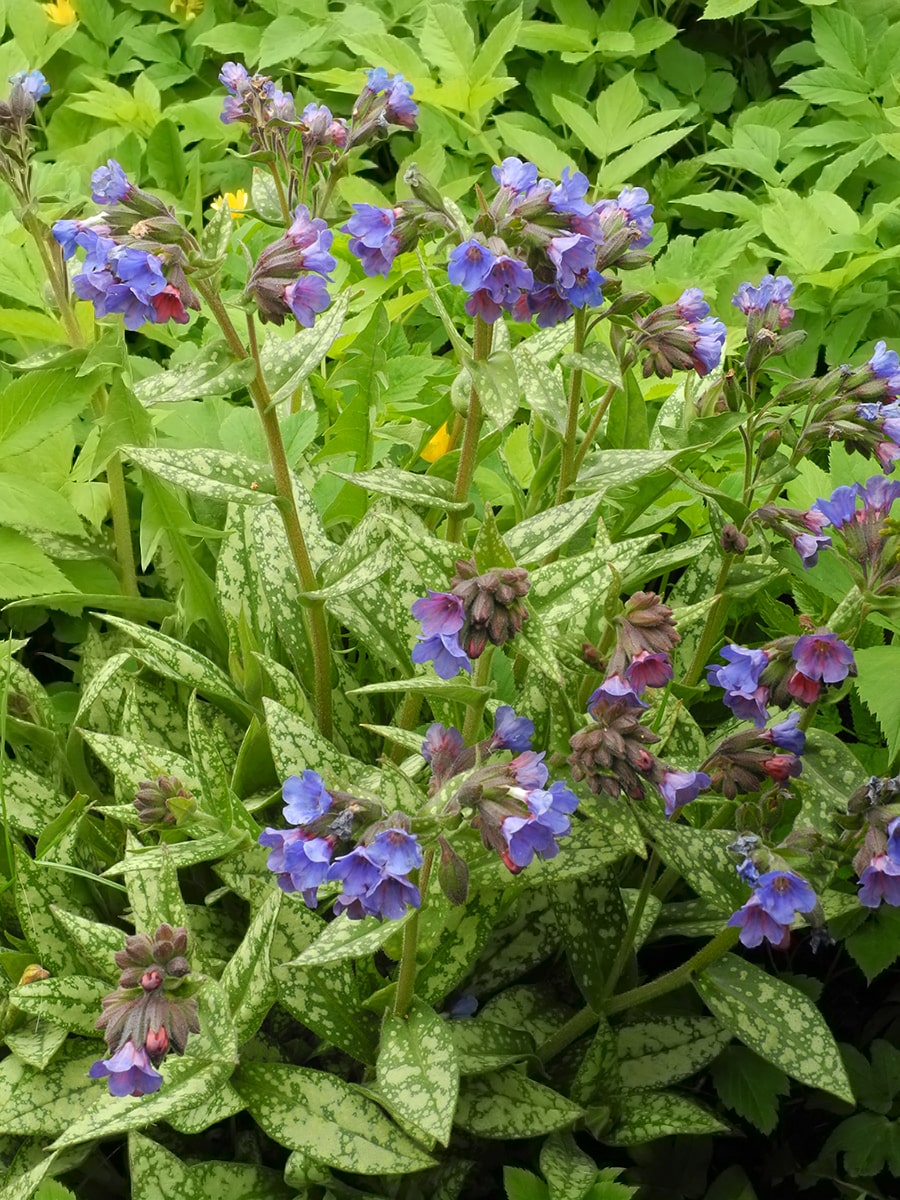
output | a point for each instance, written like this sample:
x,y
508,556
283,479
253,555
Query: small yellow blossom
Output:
x,y
439,445
237,203
60,12
186,9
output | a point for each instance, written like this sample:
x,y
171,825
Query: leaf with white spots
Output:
x,y
568,1170
38,888
36,1043
468,928
42,1102
427,490
343,938
702,858
213,371
215,474
644,1116
288,362
656,1051
96,944
777,1021
534,538
591,918
148,1163
247,980
298,746
507,1104
153,890
331,1120
483,1046
417,1071
72,1002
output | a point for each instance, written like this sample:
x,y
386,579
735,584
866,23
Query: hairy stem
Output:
x,y
468,455
567,468
712,628
406,980
475,711
599,414
282,198
631,931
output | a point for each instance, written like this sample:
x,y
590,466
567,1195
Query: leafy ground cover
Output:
x,y
450,708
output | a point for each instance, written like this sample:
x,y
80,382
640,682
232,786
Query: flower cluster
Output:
x,y
517,814
151,1012
878,860
767,304
744,762
784,670
253,100
804,529
133,263
373,873
680,337
163,801
776,898
290,274
481,608
863,530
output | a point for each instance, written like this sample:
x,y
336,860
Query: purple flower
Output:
x,y
235,77
141,271
129,1070
306,232
280,106
880,881
887,454
709,340
482,304
470,265
441,748
823,656
771,290
808,546
506,278
439,613
374,877
840,508
109,184
743,693
782,893
516,175
377,80
756,924
614,690
399,108
445,652
586,291
537,833
568,195
547,305
305,798
648,669
357,874
32,82
529,770
631,208
747,872
787,735
378,261
692,306
511,732
372,239
681,787
572,255
884,363
307,297
878,495
90,237
893,846
395,852
300,862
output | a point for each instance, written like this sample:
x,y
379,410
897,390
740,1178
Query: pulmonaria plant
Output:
x,y
150,1014
775,899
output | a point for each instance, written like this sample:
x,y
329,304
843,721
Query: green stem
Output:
x,y
605,401
713,625
631,930
407,718
475,711
313,611
406,980
282,198
468,454
567,470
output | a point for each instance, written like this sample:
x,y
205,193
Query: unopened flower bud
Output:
x,y
153,800
152,979
157,1044
453,874
733,541
769,444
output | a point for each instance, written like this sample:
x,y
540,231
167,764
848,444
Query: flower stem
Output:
x,y
468,455
475,710
406,980
600,413
567,467
631,930
713,625
314,610
282,198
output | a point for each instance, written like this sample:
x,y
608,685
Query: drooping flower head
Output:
x,y
511,732
880,881
374,877
372,237
129,1071
109,184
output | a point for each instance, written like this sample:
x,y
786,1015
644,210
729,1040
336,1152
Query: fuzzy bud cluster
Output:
x,y
163,801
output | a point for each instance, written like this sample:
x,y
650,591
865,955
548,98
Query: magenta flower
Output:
x,y
649,669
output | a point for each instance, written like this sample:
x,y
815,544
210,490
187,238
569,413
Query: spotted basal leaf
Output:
x,y
591,919
643,1116
656,1051
507,1104
247,981
483,1046
417,1071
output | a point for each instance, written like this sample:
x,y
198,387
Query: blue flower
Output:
x,y
305,798
878,495
470,265
33,82
129,1071
511,732
782,893
445,652
756,923
235,77
787,735
880,881
692,306
884,363
372,237
516,175
399,108
632,209
439,613
377,80
547,304
808,546
300,862
374,879
572,255
568,195
614,690
537,833
709,341
507,278
307,297
771,291
747,872
109,184
740,678
823,656
678,788
395,851
840,508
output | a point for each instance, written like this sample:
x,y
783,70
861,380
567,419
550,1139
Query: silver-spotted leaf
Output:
x,y
417,1071
507,1104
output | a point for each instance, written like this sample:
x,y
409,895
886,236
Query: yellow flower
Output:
x,y
439,445
60,12
236,201
189,8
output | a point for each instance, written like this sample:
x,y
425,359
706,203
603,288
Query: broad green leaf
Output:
x,y
332,1121
775,1020
214,371
343,938
43,1102
149,1163
498,387
876,685
532,540
72,1002
701,856
26,570
657,1051
460,943
29,504
153,889
750,1086
214,243
37,890
483,1046
568,1170
215,474
297,746
592,920
417,1071
288,362
247,980
31,802
597,1077
520,1184
427,490
35,407
507,1104
717,10
543,387
37,1043
876,946
644,1116
96,944
427,685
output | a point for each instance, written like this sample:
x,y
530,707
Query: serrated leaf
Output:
x,y
876,685
775,1020
507,1104
876,946
750,1086
643,1116
332,1121
417,1071
656,1051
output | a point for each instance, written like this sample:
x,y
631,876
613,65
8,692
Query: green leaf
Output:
x,y
568,1170
591,919
247,981
507,1104
657,1051
214,244
31,802
777,1021
876,685
701,856
498,387
72,1002
288,362
483,1046
297,745
213,371
96,944
426,685
343,938
42,1102
332,1121
461,941
26,570
533,539
876,946
717,10
750,1086
30,504
428,490
38,1043
153,889
37,890
522,1185
149,1163
35,407
213,473
643,1116
417,1071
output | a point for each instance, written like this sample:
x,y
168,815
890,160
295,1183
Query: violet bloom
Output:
x,y
586,291
880,881
306,298
482,304
878,495
507,278
305,798
299,862
445,652
757,924
537,833
771,290
808,546
692,306
129,1071
787,735
439,613
648,669
884,363
840,508
709,341
374,877
547,304
678,788
893,845
470,265
510,732
399,108
109,184
747,871
442,743
515,175
571,255
372,237
744,694
235,78
89,236
632,208
823,656
568,195
614,690
32,82
782,893
528,770
377,80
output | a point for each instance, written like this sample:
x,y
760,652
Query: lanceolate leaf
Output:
x,y
657,1051
213,473
643,1116
507,1104
482,1045
247,980
148,1163
418,1073
329,1119
568,1170
592,920
72,1002
777,1021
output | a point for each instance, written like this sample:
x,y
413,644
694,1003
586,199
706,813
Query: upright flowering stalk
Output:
x,y
290,274
865,532
151,1012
